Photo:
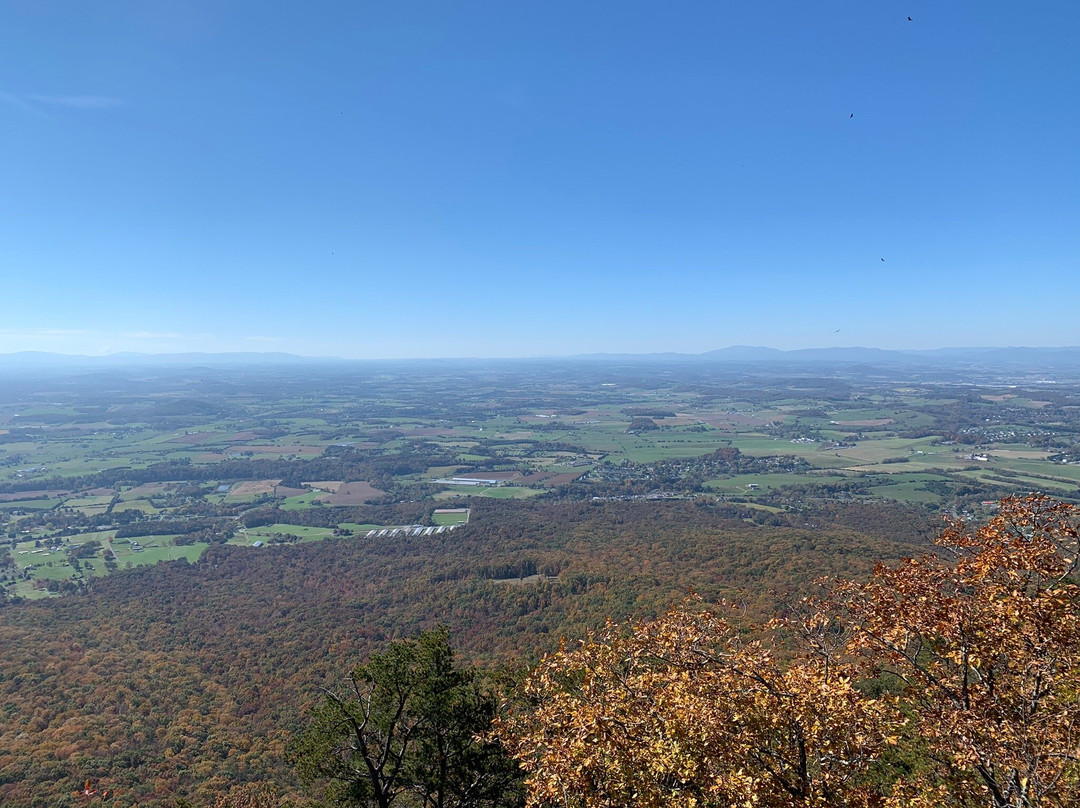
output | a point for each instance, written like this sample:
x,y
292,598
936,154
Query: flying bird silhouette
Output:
x,y
910,20
882,259
852,115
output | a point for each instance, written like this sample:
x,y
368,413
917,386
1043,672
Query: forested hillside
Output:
x,y
180,680
948,680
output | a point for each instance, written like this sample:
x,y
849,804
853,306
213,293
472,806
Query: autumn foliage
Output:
x,y
947,680
985,638
181,680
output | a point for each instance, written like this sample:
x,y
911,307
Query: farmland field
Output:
x,y
285,455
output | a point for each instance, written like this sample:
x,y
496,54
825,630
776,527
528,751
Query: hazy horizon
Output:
x,y
748,350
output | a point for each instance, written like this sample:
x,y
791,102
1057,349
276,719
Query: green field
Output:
x,y
509,492
162,453
450,518
359,528
301,502
31,504
305,533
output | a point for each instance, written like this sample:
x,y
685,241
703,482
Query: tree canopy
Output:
x,y
408,731
948,680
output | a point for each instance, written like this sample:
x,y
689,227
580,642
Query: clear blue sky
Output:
x,y
498,178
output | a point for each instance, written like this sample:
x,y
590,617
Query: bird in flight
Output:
x,y
882,259
910,20
852,115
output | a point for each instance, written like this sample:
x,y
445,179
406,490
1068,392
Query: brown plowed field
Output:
x,y
20,495
251,488
285,491
353,494
325,485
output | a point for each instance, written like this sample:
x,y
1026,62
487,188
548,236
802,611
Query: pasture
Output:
x,y
90,455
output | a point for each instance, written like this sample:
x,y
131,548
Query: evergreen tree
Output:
x,y
409,731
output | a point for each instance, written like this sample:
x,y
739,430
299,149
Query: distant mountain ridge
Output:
x,y
995,355
1063,356
1068,356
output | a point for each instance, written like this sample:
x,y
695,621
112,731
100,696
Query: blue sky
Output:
x,y
516,179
